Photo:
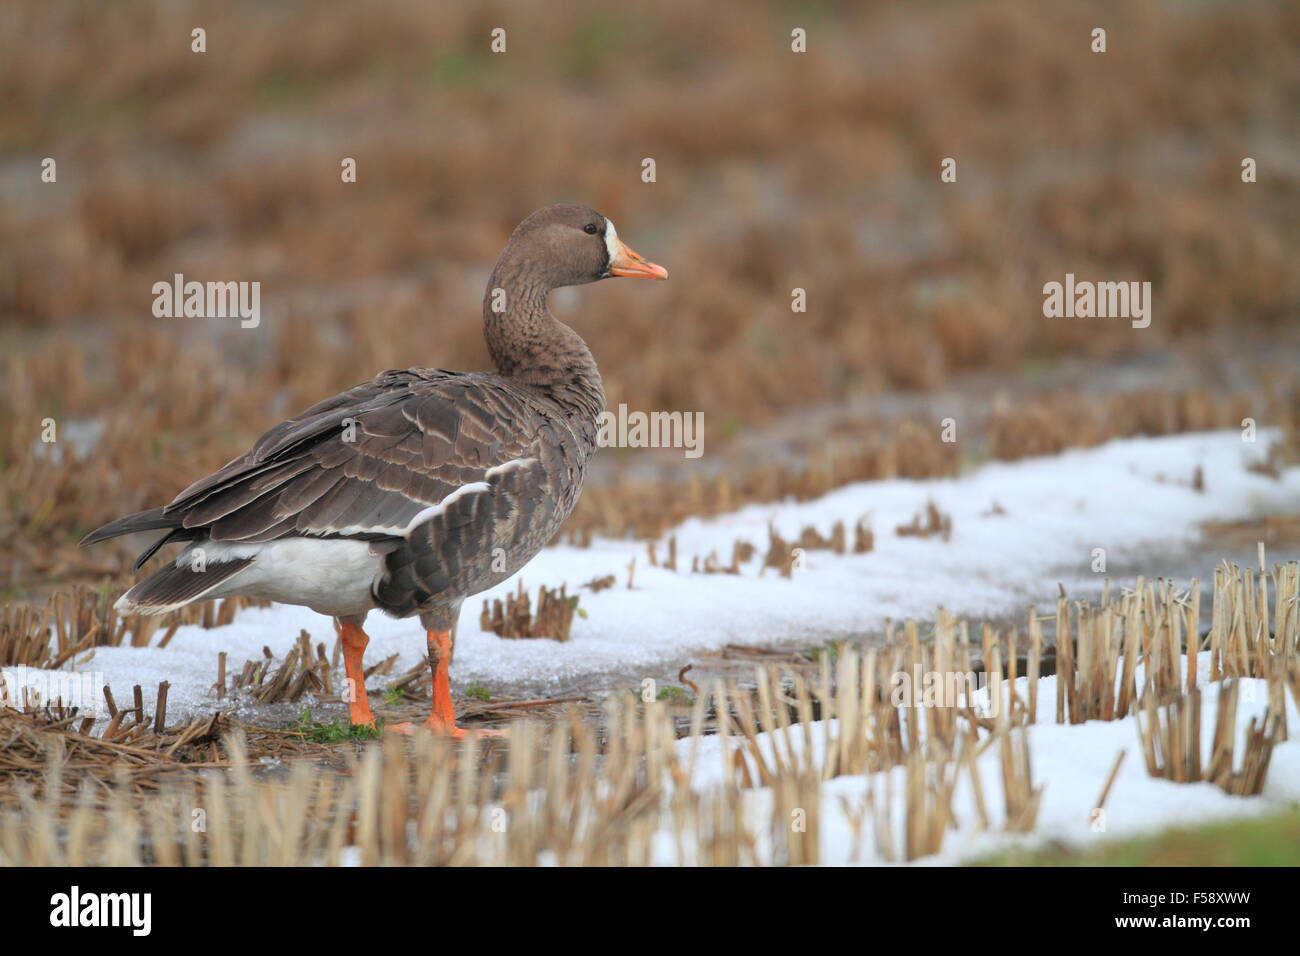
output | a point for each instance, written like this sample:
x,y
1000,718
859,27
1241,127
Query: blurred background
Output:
x,y
775,170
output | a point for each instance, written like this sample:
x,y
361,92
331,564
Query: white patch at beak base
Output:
x,y
611,243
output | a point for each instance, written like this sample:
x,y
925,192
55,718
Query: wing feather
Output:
x,y
366,461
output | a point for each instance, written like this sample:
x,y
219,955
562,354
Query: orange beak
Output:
x,y
628,263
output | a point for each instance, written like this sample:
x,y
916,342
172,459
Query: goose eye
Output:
x,y
590,229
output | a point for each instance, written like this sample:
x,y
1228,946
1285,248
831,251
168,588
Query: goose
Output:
x,y
417,489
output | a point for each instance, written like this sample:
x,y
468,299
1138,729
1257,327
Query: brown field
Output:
x,y
775,170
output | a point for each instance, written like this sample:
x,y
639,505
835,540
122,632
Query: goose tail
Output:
x,y
175,586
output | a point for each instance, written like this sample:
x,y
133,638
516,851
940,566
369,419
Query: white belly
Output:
x,y
330,576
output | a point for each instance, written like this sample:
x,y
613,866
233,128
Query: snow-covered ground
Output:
x,y
1128,497
1070,762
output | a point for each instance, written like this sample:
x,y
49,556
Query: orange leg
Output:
x,y
442,715
354,649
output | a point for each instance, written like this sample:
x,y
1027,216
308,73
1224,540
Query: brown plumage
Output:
x,y
419,488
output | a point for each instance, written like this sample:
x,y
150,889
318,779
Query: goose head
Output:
x,y
573,245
